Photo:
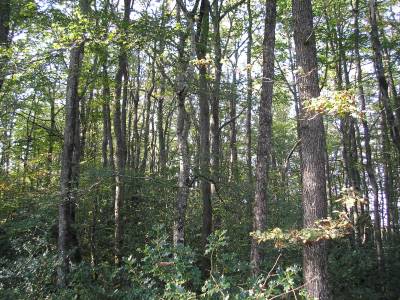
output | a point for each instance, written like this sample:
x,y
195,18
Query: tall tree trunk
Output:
x,y
52,134
381,77
147,122
182,132
136,99
234,172
313,148
67,239
204,153
215,98
265,133
5,11
162,160
120,134
249,96
368,151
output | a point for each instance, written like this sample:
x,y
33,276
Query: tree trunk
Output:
x,y
67,239
312,150
204,155
147,123
182,132
5,11
215,98
249,95
136,99
120,135
394,129
265,134
368,151
234,172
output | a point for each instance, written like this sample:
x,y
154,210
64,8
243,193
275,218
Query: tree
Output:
x,y
5,10
265,133
312,137
69,177
120,134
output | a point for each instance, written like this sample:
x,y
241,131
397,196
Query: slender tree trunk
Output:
x,y
265,134
204,153
147,124
182,132
160,130
234,172
5,11
120,135
106,95
249,95
368,151
51,136
313,148
215,98
380,75
67,240
136,99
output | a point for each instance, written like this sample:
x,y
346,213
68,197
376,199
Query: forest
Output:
x,y
200,149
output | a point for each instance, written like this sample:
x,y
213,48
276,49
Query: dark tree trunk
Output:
x,y
312,150
182,132
249,96
215,97
120,135
204,153
67,240
265,134
234,172
136,134
394,129
5,11
368,151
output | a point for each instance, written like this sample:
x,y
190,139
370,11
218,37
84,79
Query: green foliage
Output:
x,y
325,229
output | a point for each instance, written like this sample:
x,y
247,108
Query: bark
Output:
x,y
394,129
160,130
215,10
182,132
136,99
265,134
147,122
51,135
107,130
120,134
312,151
234,172
105,142
368,151
5,11
389,67
249,95
67,240
153,141
204,112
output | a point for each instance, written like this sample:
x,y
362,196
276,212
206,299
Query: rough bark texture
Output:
x,y
394,129
383,88
249,93
204,116
265,134
5,11
215,97
233,160
312,151
182,132
368,152
67,240
120,135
